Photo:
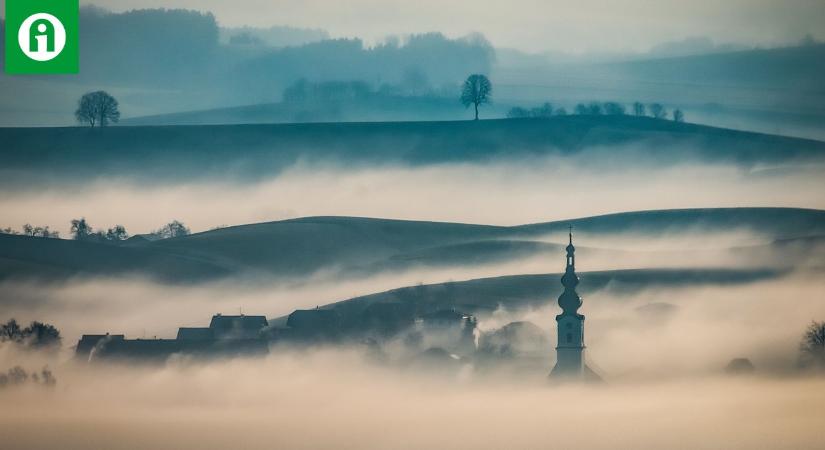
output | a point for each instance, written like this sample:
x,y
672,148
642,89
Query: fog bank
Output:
x,y
498,193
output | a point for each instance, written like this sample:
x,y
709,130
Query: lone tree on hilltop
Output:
x,y
476,91
97,108
639,109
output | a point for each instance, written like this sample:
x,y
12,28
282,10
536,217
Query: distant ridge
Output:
x,y
250,152
355,246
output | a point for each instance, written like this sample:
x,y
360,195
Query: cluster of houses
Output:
x,y
244,335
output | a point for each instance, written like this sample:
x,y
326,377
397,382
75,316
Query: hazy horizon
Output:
x,y
528,25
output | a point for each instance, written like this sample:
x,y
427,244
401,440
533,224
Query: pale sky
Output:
x,y
531,25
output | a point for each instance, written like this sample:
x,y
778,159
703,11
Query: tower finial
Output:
x,y
570,228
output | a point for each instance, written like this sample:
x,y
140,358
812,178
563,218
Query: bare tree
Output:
x,y
476,91
678,115
658,111
813,345
97,108
639,109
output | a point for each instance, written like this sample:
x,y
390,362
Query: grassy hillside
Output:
x,y
484,295
357,246
252,151
383,108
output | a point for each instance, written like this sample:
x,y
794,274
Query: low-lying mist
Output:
x,y
331,399
501,193
684,329
664,370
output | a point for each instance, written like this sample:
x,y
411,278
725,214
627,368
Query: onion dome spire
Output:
x,y
569,300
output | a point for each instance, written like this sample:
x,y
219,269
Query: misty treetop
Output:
x,y
17,376
36,336
812,347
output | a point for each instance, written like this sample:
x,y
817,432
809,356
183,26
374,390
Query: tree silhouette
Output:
x,y
117,233
639,109
614,109
594,109
476,91
813,344
97,108
658,111
678,115
517,112
36,336
172,229
81,229
40,335
11,331
33,231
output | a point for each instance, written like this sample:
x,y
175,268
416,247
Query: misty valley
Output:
x,y
324,225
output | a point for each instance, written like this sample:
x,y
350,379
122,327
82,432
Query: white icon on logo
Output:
x,y
41,37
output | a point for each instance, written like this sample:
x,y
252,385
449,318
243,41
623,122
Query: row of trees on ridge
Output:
x,y
655,110
82,230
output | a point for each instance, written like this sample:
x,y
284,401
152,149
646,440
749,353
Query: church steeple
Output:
x,y
569,300
570,324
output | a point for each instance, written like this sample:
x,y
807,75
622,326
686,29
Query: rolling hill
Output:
x,y
358,246
483,296
250,152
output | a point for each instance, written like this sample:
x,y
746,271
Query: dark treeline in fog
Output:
x,y
179,48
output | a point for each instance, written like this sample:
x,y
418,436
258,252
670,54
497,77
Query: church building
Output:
x,y
570,361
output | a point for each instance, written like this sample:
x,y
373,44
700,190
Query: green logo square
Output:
x,y
42,36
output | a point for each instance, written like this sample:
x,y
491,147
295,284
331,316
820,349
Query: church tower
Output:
x,y
570,325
